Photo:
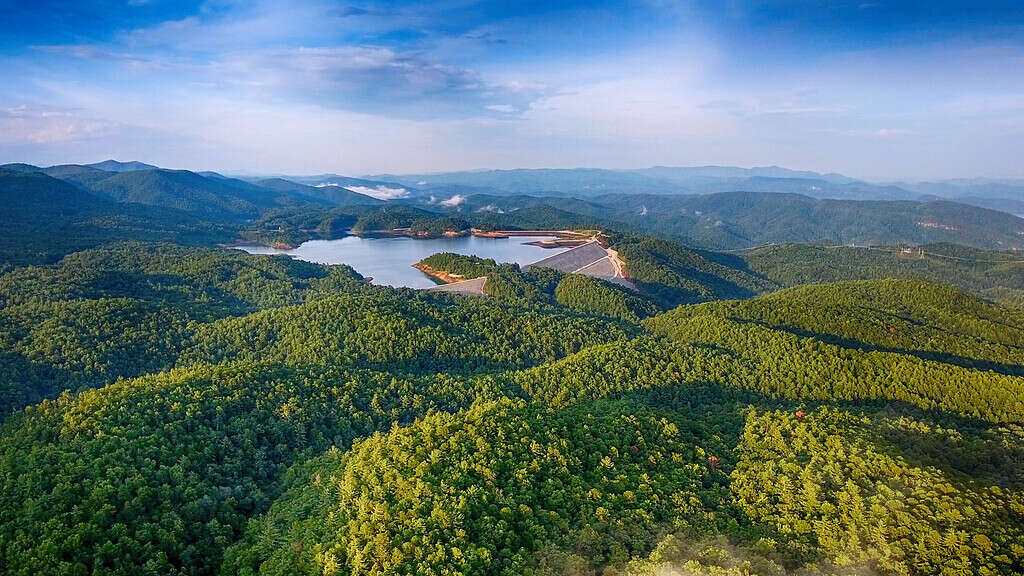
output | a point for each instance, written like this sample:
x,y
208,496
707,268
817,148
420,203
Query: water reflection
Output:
x,y
389,260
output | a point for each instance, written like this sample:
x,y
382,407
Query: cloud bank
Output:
x,y
893,91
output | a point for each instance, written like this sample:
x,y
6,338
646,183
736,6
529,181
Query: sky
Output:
x,y
873,89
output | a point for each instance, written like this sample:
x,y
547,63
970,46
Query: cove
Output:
x,y
388,260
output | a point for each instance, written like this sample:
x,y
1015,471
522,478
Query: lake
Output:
x,y
389,260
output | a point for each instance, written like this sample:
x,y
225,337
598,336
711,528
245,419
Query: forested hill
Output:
x,y
993,274
207,195
45,218
238,414
737,220
91,207
336,195
744,219
170,407
589,182
284,211
663,273
188,191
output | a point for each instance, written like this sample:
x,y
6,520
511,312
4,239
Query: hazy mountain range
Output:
x,y
710,207
701,180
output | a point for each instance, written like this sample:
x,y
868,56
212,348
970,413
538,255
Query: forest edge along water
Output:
x,y
389,260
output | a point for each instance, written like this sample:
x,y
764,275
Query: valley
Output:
x,y
490,288
625,398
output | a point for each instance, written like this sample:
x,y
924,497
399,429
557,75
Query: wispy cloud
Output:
x,y
503,108
357,78
454,201
51,125
315,86
380,192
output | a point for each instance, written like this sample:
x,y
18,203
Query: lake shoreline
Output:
x,y
559,238
444,276
390,259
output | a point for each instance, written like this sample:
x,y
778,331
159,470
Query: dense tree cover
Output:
x,y
782,364
390,217
927,319
333,195
75,344
545,286
438,226
640,364
155,311
588,294
292,226
741,218
679,554
483,491
506,281
676,275
709,349
207,282
411,333
157,475
208,195
826,489
989,273
834,496
745,219
461,266
418,222
132,308
538,217
44,218
499,489
823,429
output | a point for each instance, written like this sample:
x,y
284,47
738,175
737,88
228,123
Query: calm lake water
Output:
x,y
389,260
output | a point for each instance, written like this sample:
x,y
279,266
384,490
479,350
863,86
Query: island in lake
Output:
x,y
389,259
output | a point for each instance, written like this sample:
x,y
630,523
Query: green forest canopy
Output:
x,y
186,410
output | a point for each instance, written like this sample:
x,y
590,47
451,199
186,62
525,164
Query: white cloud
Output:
x,y
453,201
380,192
51,125
889,132
237,92
503,108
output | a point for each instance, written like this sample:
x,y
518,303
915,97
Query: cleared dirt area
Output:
x,y
590,259
572,260
442,275
474,287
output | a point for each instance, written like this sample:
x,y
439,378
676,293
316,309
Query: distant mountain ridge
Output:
x,y
1000,194
588,182
115,166
45,218
336,195
207,195
720,207
738,220
678,173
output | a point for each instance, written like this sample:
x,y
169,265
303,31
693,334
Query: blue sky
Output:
x,y
875,89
